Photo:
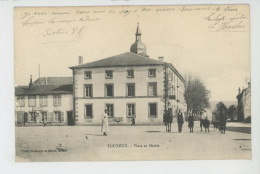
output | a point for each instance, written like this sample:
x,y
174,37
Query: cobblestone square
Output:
x,y
86,143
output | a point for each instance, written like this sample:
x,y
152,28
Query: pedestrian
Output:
x,y
202,118
222,122
169,119
191,122
180,121
105,126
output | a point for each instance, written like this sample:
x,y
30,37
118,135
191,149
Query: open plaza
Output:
x,y
86,143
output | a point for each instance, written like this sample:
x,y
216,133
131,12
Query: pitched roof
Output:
x,y
44,90
53,81
127,59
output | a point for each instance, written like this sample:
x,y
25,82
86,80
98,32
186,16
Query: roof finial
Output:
x,y
138,31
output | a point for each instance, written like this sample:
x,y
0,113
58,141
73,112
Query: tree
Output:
x,y
231,112
196,94
219,108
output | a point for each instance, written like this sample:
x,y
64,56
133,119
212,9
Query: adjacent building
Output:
x,y
244,104
128,85
49,97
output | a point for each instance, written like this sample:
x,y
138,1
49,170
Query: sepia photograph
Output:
x,y
132,83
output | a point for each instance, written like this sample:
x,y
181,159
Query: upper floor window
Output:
x,y
130,90
32,100
88,91
152,73
152,89
21,101
56,99
130,73
88,75
109,74
43,100
109,90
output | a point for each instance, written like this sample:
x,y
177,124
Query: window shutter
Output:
x,y
62,116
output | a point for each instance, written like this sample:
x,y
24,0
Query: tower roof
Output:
x,y
138,47
138,31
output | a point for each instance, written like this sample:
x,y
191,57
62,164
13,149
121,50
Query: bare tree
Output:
x,y
196,94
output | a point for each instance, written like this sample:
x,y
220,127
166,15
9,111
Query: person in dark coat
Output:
x,y
170,118
180,121
191,122
165,118
222,122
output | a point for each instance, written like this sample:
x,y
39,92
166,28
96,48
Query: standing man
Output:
x,y
222,121
180,121
191,122
105,126
202,118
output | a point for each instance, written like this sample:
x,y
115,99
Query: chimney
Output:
x,y
249,84
160,58
30,84
239,90
80,60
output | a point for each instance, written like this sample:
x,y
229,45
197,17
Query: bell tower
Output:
x,y
138,47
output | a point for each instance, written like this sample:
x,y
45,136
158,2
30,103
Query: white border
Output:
x,y
7,139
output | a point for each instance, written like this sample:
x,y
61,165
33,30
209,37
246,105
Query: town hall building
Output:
x,y
128,85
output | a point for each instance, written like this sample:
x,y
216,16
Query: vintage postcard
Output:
x,y
112,83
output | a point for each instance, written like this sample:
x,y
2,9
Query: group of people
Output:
x,y
168,117
204,121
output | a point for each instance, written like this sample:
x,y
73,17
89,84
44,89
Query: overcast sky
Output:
x,y
192,39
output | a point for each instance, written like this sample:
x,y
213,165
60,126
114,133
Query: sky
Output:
x,y
211,42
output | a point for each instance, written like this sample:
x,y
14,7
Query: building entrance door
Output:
x,y
70,118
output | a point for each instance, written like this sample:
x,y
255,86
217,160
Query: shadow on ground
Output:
x,y
246,130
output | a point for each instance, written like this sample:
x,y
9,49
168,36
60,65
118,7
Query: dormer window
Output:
x,y
152,73
109,74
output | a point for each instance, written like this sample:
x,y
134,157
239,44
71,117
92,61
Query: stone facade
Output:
x,y
244,103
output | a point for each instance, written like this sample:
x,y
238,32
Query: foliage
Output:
x,y
232,112
196,94
219,108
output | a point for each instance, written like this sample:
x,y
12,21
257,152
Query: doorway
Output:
x,y
70,118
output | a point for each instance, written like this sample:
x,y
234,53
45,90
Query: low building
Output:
x,y
128,85
49,97
244,104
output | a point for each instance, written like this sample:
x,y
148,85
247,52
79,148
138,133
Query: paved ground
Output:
x,y
77,143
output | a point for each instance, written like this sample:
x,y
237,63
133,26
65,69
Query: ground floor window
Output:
x,y
130,110
44,116
88,111
110,108
153,110
32,117
58,116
